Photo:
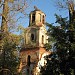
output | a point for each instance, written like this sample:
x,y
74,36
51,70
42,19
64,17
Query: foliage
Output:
x,y
22,31
11,11
9,58
64,46
15,38
52,66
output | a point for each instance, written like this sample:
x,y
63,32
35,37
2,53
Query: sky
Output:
x,y
48,7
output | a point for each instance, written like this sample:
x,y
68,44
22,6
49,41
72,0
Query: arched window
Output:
x,y
33,18
32,37
28,60
40,17
43,21
42,39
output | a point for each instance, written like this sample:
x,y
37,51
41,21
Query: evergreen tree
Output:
x,y
64,46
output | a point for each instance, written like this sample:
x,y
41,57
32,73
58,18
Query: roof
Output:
x,y
36,9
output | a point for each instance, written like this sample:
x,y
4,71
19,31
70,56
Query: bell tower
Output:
x,y
35,34
36,17
35,37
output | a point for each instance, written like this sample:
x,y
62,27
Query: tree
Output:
x,y
64,45
65,4
22,31
10,9
52,66
9,61
8,41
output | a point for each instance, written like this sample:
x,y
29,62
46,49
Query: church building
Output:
x,y
35,37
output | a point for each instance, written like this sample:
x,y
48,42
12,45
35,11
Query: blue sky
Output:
x,y
49,8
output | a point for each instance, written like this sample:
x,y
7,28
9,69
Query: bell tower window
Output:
x,y
32,37
42,39
40,17
33,18
43,21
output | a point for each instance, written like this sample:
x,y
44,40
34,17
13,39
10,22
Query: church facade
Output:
x,y
35,37
35,34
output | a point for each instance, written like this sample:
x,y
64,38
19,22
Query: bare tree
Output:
x,y
66,4
11,11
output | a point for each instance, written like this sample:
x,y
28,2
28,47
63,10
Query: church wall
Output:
x,y
28,41
37,35
38,18
35,56
42,32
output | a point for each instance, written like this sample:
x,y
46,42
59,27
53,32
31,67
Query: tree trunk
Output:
x,y
74,71
4,26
